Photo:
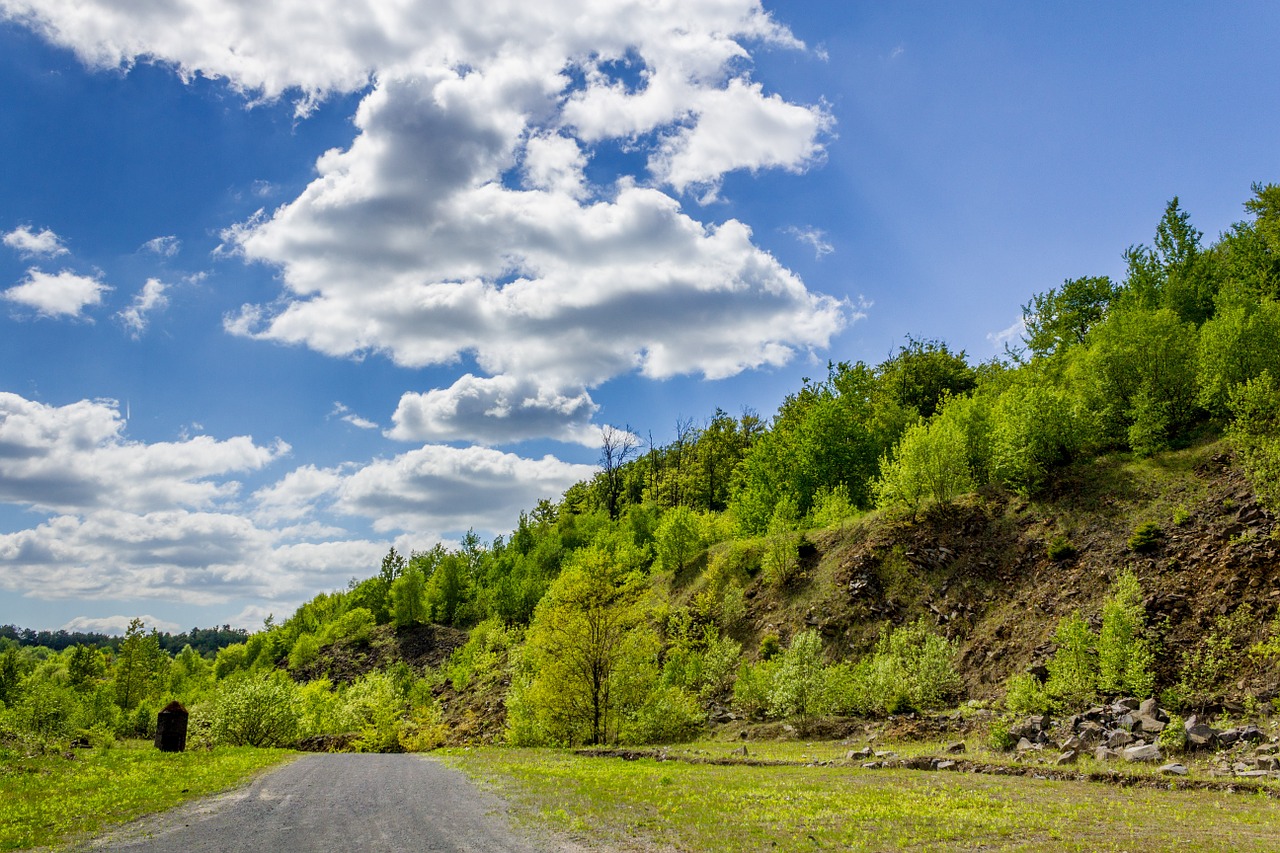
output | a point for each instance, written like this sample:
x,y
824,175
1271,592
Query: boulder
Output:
x,y
1143,752
945,765
1068,757
1104,754
1118,738
1090,733
1149,708
1149,724
1174,769
955,748
1201,736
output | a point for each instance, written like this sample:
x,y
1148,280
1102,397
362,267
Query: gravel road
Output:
x,y
337,802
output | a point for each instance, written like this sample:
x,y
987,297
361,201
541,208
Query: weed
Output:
x,y
1060,549
1181,515
1145,538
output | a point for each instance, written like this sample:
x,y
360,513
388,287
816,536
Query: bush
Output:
x,y
355,627
1173,739
751,688
304,652
1145,538
1125,659
668,715
797,688
256,712
1025,695
1073,670
1060,549
1000,738
372,706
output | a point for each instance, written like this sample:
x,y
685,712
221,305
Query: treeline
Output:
x,y
205,641
618,612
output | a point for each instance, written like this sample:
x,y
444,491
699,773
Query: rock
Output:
x,y
742,750
1030,728
1129,722
919,762
1251,734
955,748
1090,733
1128,703
1267,749
945,765
1149,724
1268,762
1149,708
1118,738
1228,737
1144,752
1104,754
1201,736
1173,770
1071,743
1068,757
1253,774
871,765
1024,745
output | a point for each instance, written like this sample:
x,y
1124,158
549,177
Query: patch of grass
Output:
x,y
644,804
48,799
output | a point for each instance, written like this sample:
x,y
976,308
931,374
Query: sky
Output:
x,y
284,285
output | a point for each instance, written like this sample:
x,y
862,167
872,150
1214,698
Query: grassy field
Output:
x,y
642,805
48,799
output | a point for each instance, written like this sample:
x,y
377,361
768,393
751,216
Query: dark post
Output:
x,y
171,728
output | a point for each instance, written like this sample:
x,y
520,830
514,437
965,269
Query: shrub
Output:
x,y
256,712
678,538
1073,671
999,737
1125,660
1024,695
1145,538
372,706
1207,667
1173,739
751,688
424,729
668,715
797,688
355,627
1060,549
304,652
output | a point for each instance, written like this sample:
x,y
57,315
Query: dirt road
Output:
x,y
335,803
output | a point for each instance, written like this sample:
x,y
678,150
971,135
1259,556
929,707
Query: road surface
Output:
x,y
335,802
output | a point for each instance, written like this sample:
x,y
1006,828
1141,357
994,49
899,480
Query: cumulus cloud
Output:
x,y
74,458
151,298
434,489
460,223
166,247
64,294
29,244
116,626
495,410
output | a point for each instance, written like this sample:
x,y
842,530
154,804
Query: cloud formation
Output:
x,y
30,244
166,247
460,223
116,626
60,295
137,316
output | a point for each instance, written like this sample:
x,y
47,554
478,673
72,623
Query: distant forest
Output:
x,y
205,641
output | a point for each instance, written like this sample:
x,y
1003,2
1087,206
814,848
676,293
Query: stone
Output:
x,y
1267,762
1071,743
1149,708
1129,722
1174,769
870,765
945,765
1024,745
1145,752
1228,737
1104,754
1149,724
742,750
1090,733
1267,749
1251,734
1253,774
1068,757
955,748
1118,738
1128,703
1201,736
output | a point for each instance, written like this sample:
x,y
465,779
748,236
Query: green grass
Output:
x,y
49,799
618,805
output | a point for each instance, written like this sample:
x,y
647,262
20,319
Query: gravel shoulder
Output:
x,y
327,802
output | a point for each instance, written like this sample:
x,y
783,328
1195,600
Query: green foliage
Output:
x,y
1269,649
374,707
1254,432
1145,537
831,506
304,652
668,715
408,596
781,559
923,374
1173,739
1060,549
1024,695
1073,670
678,538
1033,429
141,666
929,465
1125,659
798,678
1207,668
481,658
1062,317
353,628
256,711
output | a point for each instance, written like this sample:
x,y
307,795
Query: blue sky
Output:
x,y
281,288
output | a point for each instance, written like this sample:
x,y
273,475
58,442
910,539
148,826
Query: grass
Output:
x,y
45,800
646,804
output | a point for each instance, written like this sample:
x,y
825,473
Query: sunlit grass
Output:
x,y
47,799
616,804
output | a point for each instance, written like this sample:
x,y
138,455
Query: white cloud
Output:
x,y
460,223
28,243
815,238
343,413
116,626
63,294
75,457
496,410
428,491
166,247
1004,337
151,298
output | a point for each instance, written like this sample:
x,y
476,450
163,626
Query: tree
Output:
x,y
923,373
139,665
929,465
678,537
408,599
1061,318
590,650
616,447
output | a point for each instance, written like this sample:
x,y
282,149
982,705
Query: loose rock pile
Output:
x,y
1130,730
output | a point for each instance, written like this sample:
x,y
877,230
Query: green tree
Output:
x,y
1124,655
590,649
257,711
1174,275
1073,669
678,538
408,596
1254,432
140,666
923,373
929,465
85,665
1062,317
